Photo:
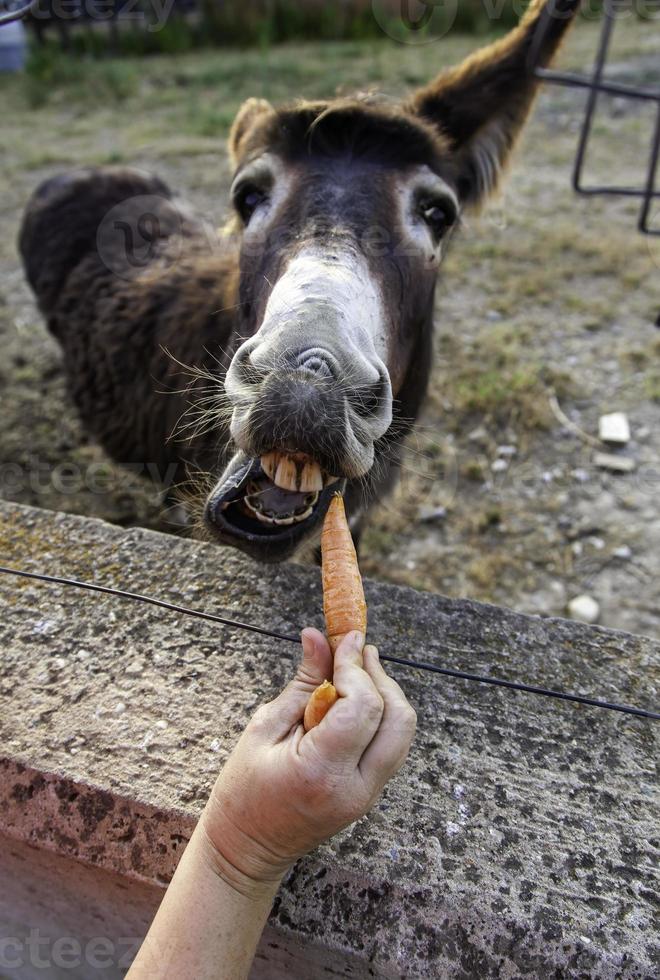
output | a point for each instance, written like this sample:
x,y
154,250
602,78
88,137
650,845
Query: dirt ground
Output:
x,y
546,293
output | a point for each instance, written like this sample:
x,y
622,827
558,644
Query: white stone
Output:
x,y
478,435
584,609
427,515
624,553
580,475
617,464
499,466
614,428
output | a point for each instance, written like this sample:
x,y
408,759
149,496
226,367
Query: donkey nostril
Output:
x,y
316,363
373,400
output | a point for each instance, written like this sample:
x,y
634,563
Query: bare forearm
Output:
x,y
205,928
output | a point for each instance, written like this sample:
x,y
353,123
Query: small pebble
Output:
x,y
499,466
478,435
580,475
429,515
624,553
584,609
120,708
507,450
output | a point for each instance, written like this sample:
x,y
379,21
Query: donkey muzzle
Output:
x,y
329,405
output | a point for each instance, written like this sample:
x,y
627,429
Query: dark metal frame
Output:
x,y
596,84
17,14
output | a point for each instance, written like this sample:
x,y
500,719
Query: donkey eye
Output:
x,y
247,199
439,216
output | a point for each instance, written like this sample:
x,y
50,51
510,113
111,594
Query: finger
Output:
x,y
348,659
315,667
317,663
391,744
352,722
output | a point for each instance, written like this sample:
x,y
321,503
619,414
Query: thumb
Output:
x,y
315,667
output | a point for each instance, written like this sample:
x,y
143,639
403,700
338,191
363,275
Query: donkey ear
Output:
x,y
481,105
250,112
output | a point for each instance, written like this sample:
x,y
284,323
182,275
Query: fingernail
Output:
x,y
357,639
373,651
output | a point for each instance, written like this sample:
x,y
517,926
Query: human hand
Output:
x,y
282,792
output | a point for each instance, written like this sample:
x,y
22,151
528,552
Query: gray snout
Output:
x,y
330,404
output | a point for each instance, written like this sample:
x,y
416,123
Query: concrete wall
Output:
x,y
519,840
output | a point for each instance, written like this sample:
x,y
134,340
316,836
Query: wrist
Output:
x,y
235,858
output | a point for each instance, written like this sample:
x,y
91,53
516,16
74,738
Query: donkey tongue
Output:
x,y
281,502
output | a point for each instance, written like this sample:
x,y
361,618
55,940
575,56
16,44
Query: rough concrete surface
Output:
x,y
521,838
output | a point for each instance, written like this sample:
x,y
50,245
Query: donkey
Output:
x,y
309,322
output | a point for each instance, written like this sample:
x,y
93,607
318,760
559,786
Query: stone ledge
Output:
x,y
520,838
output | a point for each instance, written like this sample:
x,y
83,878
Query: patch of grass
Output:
x,y
496,380
48,71
486,572
473,471
652,385
207,120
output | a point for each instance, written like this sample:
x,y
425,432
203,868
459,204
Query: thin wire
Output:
x,y
184,610
400,661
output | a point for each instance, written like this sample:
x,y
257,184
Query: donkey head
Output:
x,y
345,209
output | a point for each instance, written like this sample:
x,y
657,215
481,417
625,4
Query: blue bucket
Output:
x,y
13,47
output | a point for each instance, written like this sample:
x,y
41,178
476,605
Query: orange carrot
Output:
x,y
319,704
344,604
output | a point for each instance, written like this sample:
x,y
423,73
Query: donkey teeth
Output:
x,y
296,475
311,478
283,521
269,464
286,476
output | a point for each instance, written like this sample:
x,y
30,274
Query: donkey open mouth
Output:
x,y
312,315
270,504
